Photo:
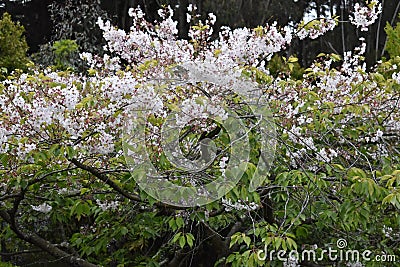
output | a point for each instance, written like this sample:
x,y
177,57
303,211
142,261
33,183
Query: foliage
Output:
x,y
64,51
393,39
62,55
13,46
282,66
72,20
65,179
77,21
44,57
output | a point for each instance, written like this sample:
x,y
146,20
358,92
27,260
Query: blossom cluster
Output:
x,y
316,28
239,205
390,233
44,208
333,88
291,262
108,205
365,16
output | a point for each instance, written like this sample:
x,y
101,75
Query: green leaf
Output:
x,y
335,57
182,241
234,239
70,152
291,243
4,158
176,237
84,190
247,240
124,230
278,242
179,222
189,239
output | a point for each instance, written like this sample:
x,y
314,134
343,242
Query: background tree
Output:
x,y
13,46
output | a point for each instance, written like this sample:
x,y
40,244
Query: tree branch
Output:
x,y
100,175
43,244
105,179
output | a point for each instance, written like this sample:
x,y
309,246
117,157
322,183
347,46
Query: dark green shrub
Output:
x,y
13,46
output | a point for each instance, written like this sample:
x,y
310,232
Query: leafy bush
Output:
x,y
72,20
393,39
66,52
13,46
62,55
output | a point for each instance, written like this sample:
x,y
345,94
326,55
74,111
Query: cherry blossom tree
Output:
x,y
71,144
